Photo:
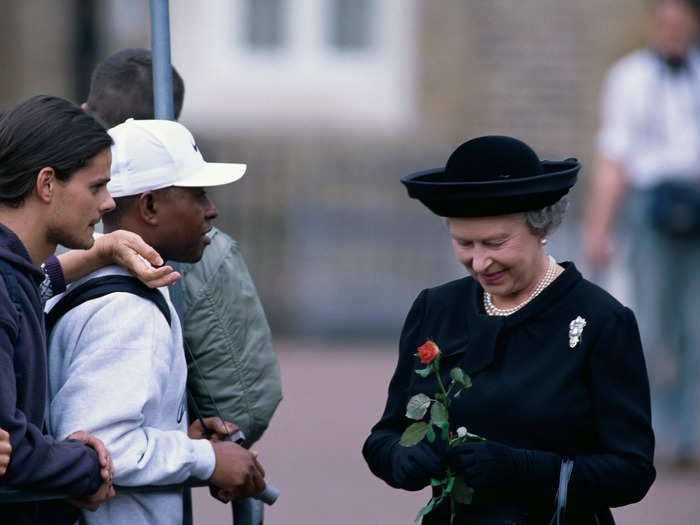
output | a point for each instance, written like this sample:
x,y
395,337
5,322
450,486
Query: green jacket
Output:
x,y
226,330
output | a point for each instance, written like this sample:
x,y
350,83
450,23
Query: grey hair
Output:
x,y
540,222
547,219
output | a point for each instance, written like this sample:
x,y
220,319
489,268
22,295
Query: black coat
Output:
x,y
532,391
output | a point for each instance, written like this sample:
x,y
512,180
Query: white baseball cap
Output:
x,y
153,154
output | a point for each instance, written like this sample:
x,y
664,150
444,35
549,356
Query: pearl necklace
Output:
x,y
549,275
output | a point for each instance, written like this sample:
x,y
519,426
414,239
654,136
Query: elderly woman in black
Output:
x,y
555,362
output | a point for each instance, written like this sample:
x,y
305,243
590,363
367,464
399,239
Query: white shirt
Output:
x,y
650,118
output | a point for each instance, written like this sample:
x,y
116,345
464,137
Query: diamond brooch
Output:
x,y
576,331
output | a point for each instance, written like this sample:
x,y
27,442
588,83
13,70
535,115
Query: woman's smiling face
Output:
x,y
501,253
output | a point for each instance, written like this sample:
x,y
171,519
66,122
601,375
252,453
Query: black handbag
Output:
x,y
674,209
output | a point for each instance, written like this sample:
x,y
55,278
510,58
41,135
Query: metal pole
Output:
x,y
162,70
163,95
163,109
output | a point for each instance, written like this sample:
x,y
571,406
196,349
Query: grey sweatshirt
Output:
x,y
117,370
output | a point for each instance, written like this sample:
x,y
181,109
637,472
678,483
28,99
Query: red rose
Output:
x,y
428,352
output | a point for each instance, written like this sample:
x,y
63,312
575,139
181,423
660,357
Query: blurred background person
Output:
x,y
649,135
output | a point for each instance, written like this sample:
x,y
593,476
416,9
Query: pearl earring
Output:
x,y
543,241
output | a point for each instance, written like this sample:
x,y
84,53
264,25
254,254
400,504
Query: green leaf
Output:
x,y
461,492
430,435
444,426
414,433
459,376
426,509
424,372
417,406
438,413
434,482
467,381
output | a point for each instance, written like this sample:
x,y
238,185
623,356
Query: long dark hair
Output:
x,y
45,131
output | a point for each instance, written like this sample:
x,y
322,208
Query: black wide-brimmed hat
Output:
x,y
492,175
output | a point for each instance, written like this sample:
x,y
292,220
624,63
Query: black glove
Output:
x,y
412,467
487,464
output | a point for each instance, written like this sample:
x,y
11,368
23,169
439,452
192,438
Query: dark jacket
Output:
x,y
38,462
531,390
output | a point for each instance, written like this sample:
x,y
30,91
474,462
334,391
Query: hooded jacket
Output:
x,y
38,462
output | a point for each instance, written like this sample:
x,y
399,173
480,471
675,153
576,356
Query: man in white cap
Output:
x,y
116,362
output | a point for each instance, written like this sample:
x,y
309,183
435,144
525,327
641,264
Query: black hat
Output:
x,y
492,175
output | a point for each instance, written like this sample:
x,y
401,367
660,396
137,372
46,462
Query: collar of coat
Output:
x,y
483,330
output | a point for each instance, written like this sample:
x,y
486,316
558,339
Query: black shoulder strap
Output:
x,y
99,286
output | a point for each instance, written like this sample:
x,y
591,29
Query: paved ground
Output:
x,y
333,395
